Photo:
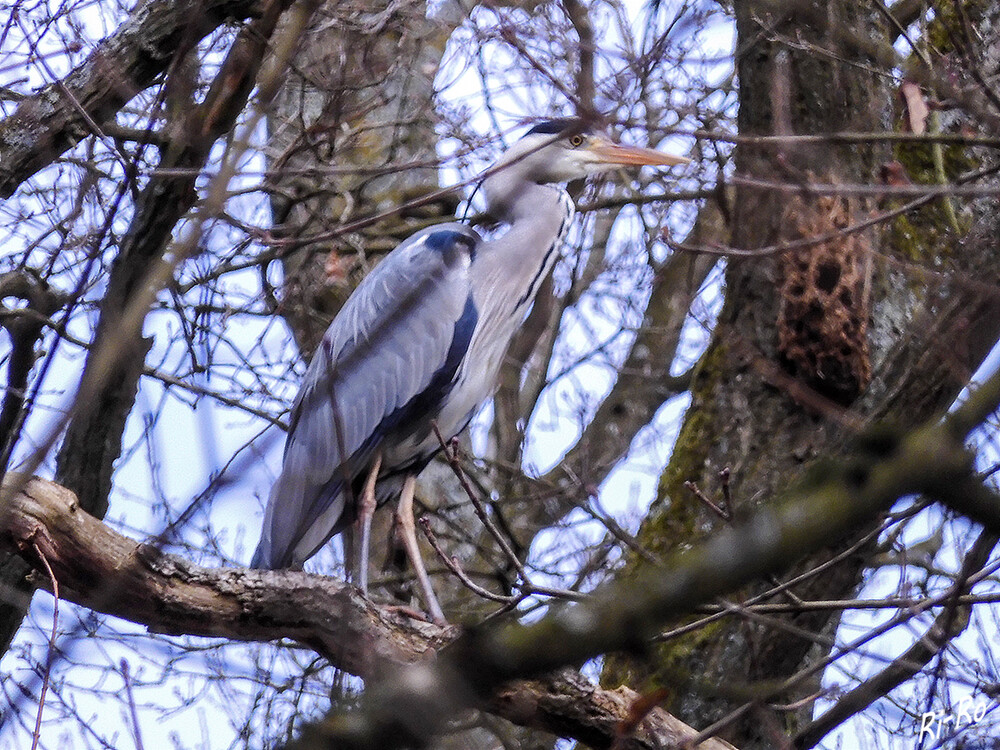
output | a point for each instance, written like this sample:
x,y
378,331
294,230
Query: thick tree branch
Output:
x,y
94,565
622,616
566,698
414,701
24,327
54,118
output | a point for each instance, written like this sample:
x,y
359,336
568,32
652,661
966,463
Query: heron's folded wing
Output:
x,y
387,346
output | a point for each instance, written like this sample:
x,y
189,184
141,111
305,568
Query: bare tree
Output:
x,y
770,345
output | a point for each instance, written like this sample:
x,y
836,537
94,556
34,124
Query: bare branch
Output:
x,y
59,115
621,616
93,437
644,382
94,565
947,625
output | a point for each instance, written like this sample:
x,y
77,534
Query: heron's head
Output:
x,y
564,149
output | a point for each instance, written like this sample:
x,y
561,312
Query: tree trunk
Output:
x,y
352,136
850,335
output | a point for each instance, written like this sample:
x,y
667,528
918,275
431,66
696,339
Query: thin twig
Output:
x,y
796,705
693,488
727,492
451,562
525,586
451,456
36,736
529,588
806,242
126,677
851,647
689,627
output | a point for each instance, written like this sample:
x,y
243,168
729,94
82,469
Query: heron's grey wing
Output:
x,y
396,336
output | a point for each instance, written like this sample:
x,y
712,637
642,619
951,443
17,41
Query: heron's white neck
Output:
x,y
536,218
535,213
512,195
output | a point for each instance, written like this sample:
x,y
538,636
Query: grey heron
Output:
x,y
419,343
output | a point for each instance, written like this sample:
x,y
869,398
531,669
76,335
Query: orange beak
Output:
x,y
614,153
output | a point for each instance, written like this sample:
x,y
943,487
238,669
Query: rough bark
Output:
x,y
406,705
94,564
61,114
352,135
758,414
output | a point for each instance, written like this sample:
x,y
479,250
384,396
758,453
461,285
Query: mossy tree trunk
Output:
x,y
810,344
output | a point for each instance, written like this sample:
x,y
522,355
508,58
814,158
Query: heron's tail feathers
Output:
x,y
300,518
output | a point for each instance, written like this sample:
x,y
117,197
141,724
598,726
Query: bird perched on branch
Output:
x,y
419,343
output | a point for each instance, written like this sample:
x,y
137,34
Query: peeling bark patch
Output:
x,y
824,311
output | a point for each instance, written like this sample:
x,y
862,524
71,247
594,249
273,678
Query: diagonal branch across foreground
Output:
x,y
480,667
834,498
167,594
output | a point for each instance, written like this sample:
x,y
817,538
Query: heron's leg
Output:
x,y
404,517
366,509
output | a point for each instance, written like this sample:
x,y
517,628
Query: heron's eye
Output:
x,y
576,140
